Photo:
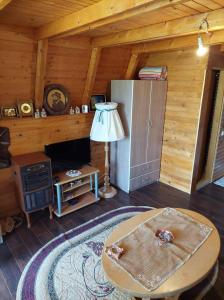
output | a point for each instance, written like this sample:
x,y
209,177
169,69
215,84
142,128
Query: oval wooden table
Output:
x,y
187,276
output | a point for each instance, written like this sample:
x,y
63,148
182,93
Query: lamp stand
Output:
x,y
107,191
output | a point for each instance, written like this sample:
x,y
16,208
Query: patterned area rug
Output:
x,y
69,267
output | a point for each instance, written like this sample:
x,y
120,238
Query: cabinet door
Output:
x,y
140,120
156,120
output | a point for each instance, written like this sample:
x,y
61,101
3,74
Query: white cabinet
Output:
x,y
135,160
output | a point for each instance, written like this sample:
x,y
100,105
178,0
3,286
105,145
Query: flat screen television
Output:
x,y
69,155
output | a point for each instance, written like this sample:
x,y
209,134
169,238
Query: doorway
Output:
x,y
211,167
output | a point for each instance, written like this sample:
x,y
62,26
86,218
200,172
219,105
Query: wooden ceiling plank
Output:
x,y
4,3
220,2
186,9
42,49
217,37
179,27
197,6
91,75
99,14
209,4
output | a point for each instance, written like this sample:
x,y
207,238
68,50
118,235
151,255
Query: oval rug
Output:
x,y
69,266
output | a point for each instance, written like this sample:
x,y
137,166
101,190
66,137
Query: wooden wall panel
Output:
x,y
185,85
113,65
68,66
30,135
17,64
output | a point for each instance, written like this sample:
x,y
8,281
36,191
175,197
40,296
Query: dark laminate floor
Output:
x,y
20,245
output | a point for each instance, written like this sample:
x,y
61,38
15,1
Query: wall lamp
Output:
x,y
202,50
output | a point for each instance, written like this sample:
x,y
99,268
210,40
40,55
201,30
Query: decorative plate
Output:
x,y
25,108
56,100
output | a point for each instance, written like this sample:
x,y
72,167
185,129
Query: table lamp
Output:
x,y
106,127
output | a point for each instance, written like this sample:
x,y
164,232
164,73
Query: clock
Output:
x,y
25,108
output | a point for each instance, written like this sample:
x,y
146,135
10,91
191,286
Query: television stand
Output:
x,y
74,193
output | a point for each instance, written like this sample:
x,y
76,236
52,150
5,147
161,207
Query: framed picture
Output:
x,y
9,112
96,99
56,100
25,108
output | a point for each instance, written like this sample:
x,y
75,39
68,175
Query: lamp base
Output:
x,y
107,192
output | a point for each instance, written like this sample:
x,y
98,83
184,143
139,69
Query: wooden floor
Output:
x,y
20,245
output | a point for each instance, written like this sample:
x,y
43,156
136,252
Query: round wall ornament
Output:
x,y
56,99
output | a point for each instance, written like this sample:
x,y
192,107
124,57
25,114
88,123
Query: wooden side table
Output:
x,y
78,188
187,276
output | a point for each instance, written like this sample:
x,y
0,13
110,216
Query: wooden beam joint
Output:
x,y
42,49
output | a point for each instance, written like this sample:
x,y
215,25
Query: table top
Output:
x,y
187,276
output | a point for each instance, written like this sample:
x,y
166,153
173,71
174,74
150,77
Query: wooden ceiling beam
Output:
x,y
4,3
133,63
42,49
175,28
91,75
215,38
99,14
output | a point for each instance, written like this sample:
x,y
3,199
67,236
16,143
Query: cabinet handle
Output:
x,y
150,123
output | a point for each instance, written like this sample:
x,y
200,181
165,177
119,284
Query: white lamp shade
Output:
x,y
107,126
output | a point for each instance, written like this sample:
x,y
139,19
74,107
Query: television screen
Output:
x,y
69,155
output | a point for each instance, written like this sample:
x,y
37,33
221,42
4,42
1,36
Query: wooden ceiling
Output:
x,y
106,21
188,8
36,13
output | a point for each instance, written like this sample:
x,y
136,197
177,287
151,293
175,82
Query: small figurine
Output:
x,y
43,113
77,110
71,111
37,114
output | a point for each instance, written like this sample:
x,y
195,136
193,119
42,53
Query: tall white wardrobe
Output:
x,y
135,160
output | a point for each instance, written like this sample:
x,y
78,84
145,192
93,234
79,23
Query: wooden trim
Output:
x,y
178,27
91,74
100,14
133,63
4,3
40,72
217,37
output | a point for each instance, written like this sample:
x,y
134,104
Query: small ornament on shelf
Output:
x,y
71,111
37,114
85,109
43,113
77,110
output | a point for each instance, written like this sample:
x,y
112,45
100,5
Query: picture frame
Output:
x,y
56,99
25,108
94,99
9,112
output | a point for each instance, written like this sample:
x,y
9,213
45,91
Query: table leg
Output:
x,y
58,188
91,182
28,220
96,186
50,211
